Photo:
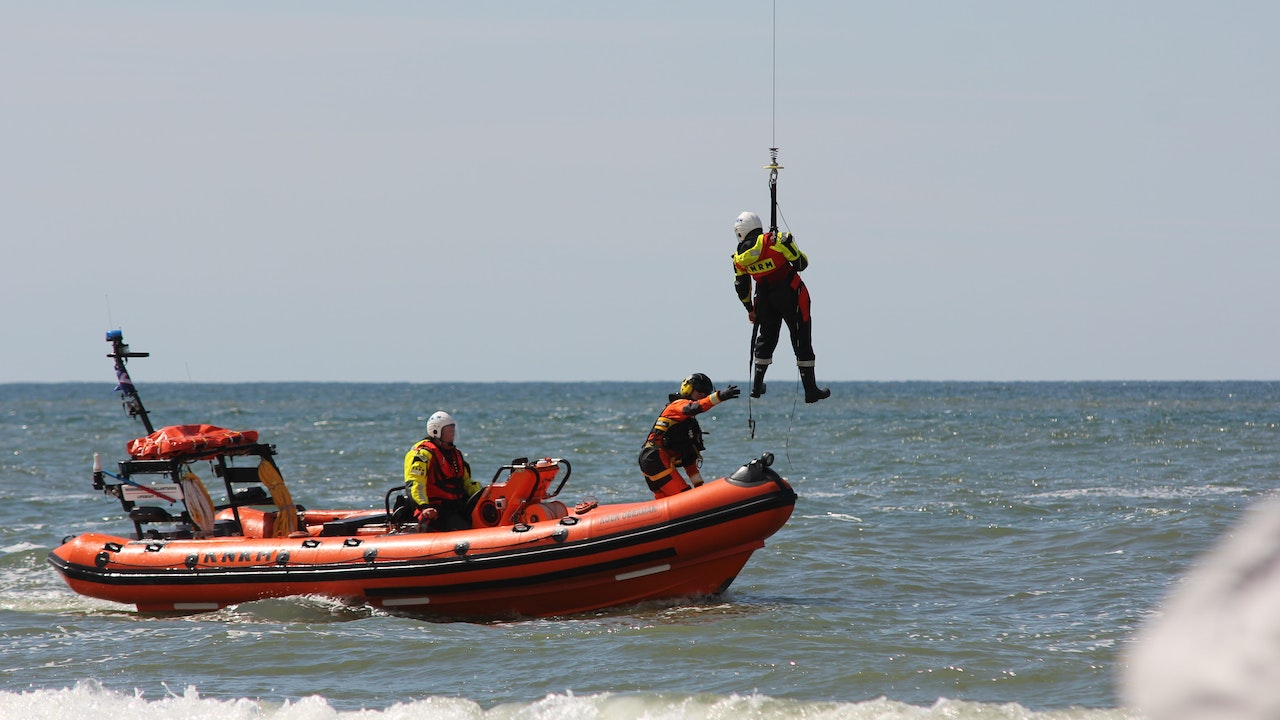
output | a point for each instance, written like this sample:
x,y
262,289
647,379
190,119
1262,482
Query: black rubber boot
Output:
x,y
812,393
757,382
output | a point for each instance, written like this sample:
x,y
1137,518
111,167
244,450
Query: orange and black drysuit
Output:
x,y
675,442
439,477
775,264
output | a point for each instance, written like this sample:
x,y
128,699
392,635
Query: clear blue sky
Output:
x,y
476,191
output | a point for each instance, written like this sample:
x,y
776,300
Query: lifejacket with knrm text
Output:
x,y
764,261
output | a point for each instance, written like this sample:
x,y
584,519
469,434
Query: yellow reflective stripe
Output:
x,y
788,249
750,255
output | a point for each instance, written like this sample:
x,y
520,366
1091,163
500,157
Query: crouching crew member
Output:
x,y
676,439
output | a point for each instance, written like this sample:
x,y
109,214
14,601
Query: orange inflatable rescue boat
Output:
x,y
528,554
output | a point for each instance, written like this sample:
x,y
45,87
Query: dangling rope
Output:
x,y
751,369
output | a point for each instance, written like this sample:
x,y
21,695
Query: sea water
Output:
x,y
958,550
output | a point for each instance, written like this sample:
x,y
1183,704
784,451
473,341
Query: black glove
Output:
x,y
729,393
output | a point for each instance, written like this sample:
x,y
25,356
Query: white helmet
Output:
x,y
438,422
745,223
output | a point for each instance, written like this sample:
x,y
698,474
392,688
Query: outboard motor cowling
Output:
x,y
756,472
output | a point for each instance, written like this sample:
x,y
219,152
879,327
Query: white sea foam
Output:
x,y
89,700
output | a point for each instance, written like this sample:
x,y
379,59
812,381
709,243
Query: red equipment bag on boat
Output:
x,y
177,440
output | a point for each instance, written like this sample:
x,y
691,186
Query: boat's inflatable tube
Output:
x,y
596,556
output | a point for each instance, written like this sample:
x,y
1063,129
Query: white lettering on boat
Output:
x,y
628,515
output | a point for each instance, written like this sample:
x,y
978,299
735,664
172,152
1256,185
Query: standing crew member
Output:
x,y
438,477
676,439
775,263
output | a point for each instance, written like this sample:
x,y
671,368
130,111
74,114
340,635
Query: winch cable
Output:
x,y
773,167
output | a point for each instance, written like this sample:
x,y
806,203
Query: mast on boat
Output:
x,y
124,384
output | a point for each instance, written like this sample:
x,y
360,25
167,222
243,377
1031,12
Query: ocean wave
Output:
x,y
88,699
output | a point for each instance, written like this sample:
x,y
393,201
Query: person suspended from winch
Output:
x,y
773,261
439,478
675,441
